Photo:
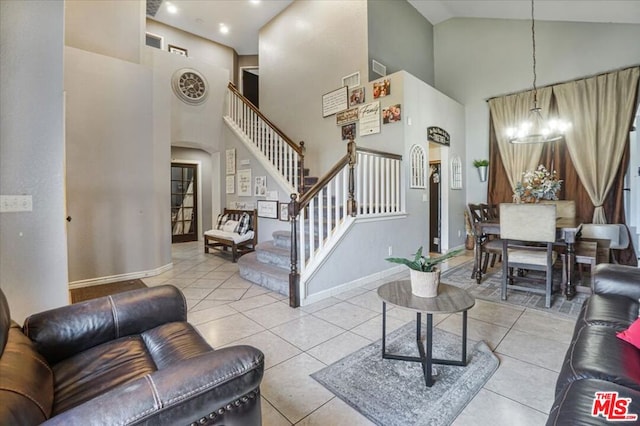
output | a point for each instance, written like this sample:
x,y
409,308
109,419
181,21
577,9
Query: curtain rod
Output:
x,y
566,81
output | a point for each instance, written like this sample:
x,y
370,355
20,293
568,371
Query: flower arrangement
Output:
x,y
536,185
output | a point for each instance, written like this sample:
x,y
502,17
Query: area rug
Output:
x,y
390,392
489,289
93,292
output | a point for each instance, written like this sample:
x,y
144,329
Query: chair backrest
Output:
x,y
602,231
564,208
624,236
528,222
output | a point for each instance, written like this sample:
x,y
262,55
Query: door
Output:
x,y
435,217
184,223
250,80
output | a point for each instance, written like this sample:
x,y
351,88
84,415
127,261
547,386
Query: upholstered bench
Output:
x,y
236,230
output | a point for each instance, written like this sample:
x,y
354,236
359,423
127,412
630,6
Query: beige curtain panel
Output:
x,y
600,109
506,110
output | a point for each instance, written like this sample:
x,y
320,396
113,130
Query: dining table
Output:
x,y
568,231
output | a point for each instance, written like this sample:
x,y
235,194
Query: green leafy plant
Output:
x,y
480,163
422,263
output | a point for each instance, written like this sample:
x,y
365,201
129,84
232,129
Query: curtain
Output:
x,y
601,111
506,110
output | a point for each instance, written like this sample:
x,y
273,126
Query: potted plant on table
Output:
x,y
482,166
425,276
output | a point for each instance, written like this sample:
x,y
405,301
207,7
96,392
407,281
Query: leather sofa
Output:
x,y
597,360
126,359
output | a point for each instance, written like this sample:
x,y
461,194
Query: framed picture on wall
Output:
x,y
284,212
244,182
268,209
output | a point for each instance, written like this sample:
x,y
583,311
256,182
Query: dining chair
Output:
x,y
535,225
616,233
490,246
564,208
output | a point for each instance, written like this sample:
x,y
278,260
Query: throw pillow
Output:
x,y
222,219
230,226
631,334
245,224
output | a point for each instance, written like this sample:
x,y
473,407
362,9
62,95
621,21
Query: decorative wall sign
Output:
x,y
369,118
230,160
347,116
179,50
335,101
260,186
284,212
268,209
242,205
231,184
438,135
244,183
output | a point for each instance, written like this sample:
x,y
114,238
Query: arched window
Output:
x,y
418,167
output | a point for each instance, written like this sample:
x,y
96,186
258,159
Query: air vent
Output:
x,y
154,40
153,6
378,68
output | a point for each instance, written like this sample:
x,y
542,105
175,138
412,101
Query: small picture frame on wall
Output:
x,y
268,209
179,50
284,212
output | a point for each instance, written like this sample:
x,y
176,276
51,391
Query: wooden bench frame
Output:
x,y
237,250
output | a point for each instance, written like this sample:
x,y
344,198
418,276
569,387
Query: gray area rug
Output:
x,y
489,289
390,392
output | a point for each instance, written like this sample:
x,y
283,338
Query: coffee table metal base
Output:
x,y
426,349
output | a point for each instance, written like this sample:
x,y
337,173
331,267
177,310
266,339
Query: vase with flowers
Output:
x,y
536,185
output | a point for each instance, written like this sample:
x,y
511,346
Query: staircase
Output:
x,y
270,264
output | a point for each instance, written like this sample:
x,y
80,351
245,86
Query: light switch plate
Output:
x,y
16,203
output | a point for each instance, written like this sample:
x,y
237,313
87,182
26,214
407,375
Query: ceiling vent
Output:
x,y
378,68
152,7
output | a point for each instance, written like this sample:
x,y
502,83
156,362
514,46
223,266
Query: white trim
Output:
x,y
198,194
316,297
121,277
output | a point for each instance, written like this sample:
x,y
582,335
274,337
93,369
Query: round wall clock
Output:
x,y
190,86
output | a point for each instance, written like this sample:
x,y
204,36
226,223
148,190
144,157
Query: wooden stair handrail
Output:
x,y
298,149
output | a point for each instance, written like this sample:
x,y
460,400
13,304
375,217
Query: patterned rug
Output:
x,y
489,289
390,392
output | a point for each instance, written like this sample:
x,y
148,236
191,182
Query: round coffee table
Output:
x,y
450,299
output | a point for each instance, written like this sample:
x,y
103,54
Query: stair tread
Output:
x,y
271,247
250,260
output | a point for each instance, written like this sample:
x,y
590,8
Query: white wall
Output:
x,y
476,59
33,247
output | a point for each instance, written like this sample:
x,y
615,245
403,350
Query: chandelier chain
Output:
x,y
533,40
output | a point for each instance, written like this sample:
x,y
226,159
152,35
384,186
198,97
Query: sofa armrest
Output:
x,y
622,280
63,332
210,385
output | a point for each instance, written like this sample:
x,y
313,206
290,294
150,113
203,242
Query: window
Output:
x,y
418,167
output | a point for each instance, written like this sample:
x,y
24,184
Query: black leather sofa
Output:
x,y
126,359
597,360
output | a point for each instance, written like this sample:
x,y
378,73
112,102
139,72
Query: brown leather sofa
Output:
x,y
126,359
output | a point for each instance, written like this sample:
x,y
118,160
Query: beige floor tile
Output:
x,y
230,294
491,334
206,304
236,283
322,304
218,275
275,349
340,414
536,350
248,303
368,300
495,313
228,329
345,315
210,314
546,325
350,293
525,383
228,267
255,290
154,281
489,408
179,282
270,416
290,389
274,314
372,329
196,293
337,348
307,332
206,283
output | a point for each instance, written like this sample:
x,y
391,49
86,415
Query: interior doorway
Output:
x,y
184,202
435,207
250,78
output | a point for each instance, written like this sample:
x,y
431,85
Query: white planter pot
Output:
x,y
425,284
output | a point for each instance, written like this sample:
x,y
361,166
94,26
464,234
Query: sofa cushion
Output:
x,y
575,405
26,382
174,342
611,310
229,236
98,370
230,226
597,353
245,224
221,220
632,334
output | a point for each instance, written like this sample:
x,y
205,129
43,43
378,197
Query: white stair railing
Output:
x,y
378,183
278,149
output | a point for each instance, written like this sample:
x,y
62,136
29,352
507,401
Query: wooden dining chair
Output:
x,y
564,208
491,246
535,226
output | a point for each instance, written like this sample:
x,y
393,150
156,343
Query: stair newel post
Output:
x,y
301,170
294,276
352,204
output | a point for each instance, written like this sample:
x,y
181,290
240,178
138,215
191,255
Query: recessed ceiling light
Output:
x,y
171,8
255,1
224,29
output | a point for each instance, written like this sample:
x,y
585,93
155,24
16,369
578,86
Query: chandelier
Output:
x,y
536,129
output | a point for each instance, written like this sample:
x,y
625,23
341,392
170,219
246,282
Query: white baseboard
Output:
x,y
316,297
121,277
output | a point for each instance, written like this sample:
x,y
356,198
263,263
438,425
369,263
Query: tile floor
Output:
x,y
229,310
